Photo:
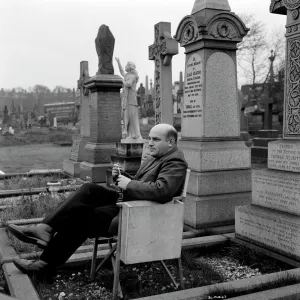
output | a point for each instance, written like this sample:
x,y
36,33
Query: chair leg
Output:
x,y
113,262
169,273
180,273
94,259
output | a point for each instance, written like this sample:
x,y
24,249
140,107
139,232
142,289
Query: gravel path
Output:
x,y
39,156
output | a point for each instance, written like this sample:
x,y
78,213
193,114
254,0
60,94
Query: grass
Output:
x,y
37,136
35,206
22,182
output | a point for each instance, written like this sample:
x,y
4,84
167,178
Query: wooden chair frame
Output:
x,y
115,250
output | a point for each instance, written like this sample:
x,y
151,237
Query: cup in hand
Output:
x,y
116,171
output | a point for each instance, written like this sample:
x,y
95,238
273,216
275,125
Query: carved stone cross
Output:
x,y
291,123
161,52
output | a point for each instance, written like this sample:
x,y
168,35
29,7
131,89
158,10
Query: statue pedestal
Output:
x,y
105,126
129,156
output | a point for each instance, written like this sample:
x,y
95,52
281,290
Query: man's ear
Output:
x,y
171,142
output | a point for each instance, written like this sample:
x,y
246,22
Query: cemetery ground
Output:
x,y
201,266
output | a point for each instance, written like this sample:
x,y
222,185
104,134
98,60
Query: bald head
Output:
x,y
162,138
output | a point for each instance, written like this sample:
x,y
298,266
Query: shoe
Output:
x,y
37,234
30,266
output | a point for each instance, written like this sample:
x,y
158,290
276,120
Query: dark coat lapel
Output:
x,y
151,163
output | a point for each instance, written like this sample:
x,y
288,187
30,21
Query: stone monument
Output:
x,y
273,219
162,51
210,125
77,155
105,111
129,150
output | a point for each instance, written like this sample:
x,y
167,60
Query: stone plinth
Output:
x,y
210,125
276,189
235,181
215,155
284,155
105,125
214,210
130,149
77,155
277,231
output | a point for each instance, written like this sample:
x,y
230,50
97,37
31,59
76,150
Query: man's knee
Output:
x,y
86,187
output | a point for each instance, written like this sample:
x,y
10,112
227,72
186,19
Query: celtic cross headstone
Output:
x,y
291,125
162,51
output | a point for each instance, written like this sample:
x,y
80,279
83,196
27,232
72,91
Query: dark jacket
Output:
x,y
158,179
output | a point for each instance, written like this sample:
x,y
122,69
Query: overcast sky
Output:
x,y
43,41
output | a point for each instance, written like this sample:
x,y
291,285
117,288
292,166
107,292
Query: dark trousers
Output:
x,y
88,212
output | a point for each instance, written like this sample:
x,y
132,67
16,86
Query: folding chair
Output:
x,y
147,231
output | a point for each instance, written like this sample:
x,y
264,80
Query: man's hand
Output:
x,y
117,59
116,170
123,181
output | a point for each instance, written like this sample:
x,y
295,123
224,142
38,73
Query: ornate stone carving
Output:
x,y
187,31
84,76
295,14
223,29
105,43
291,4
161,52
277,6
292,104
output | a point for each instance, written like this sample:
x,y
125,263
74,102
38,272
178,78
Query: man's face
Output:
x,y
158,143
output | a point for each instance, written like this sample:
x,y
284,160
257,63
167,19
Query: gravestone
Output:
x,y
162,51
77,154
13,120
5,116
210,125
105,112
273,219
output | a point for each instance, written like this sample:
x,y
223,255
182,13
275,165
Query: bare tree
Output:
x,y
254,54
39,91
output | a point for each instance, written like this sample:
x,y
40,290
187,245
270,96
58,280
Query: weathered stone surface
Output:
x,y
71,167
214,210
93,172
284,155
129,149
215,156
162,51
105,117
212,4
221,108
222,182
276,189
278,231
19,284
105,43
99,152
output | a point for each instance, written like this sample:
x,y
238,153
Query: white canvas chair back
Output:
x,y
151,231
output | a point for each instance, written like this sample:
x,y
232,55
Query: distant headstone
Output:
x,y
162,51
5,116
77,154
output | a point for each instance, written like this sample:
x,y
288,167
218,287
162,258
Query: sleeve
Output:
x,y
168,183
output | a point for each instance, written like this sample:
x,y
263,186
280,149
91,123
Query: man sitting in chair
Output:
x,y
89,211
